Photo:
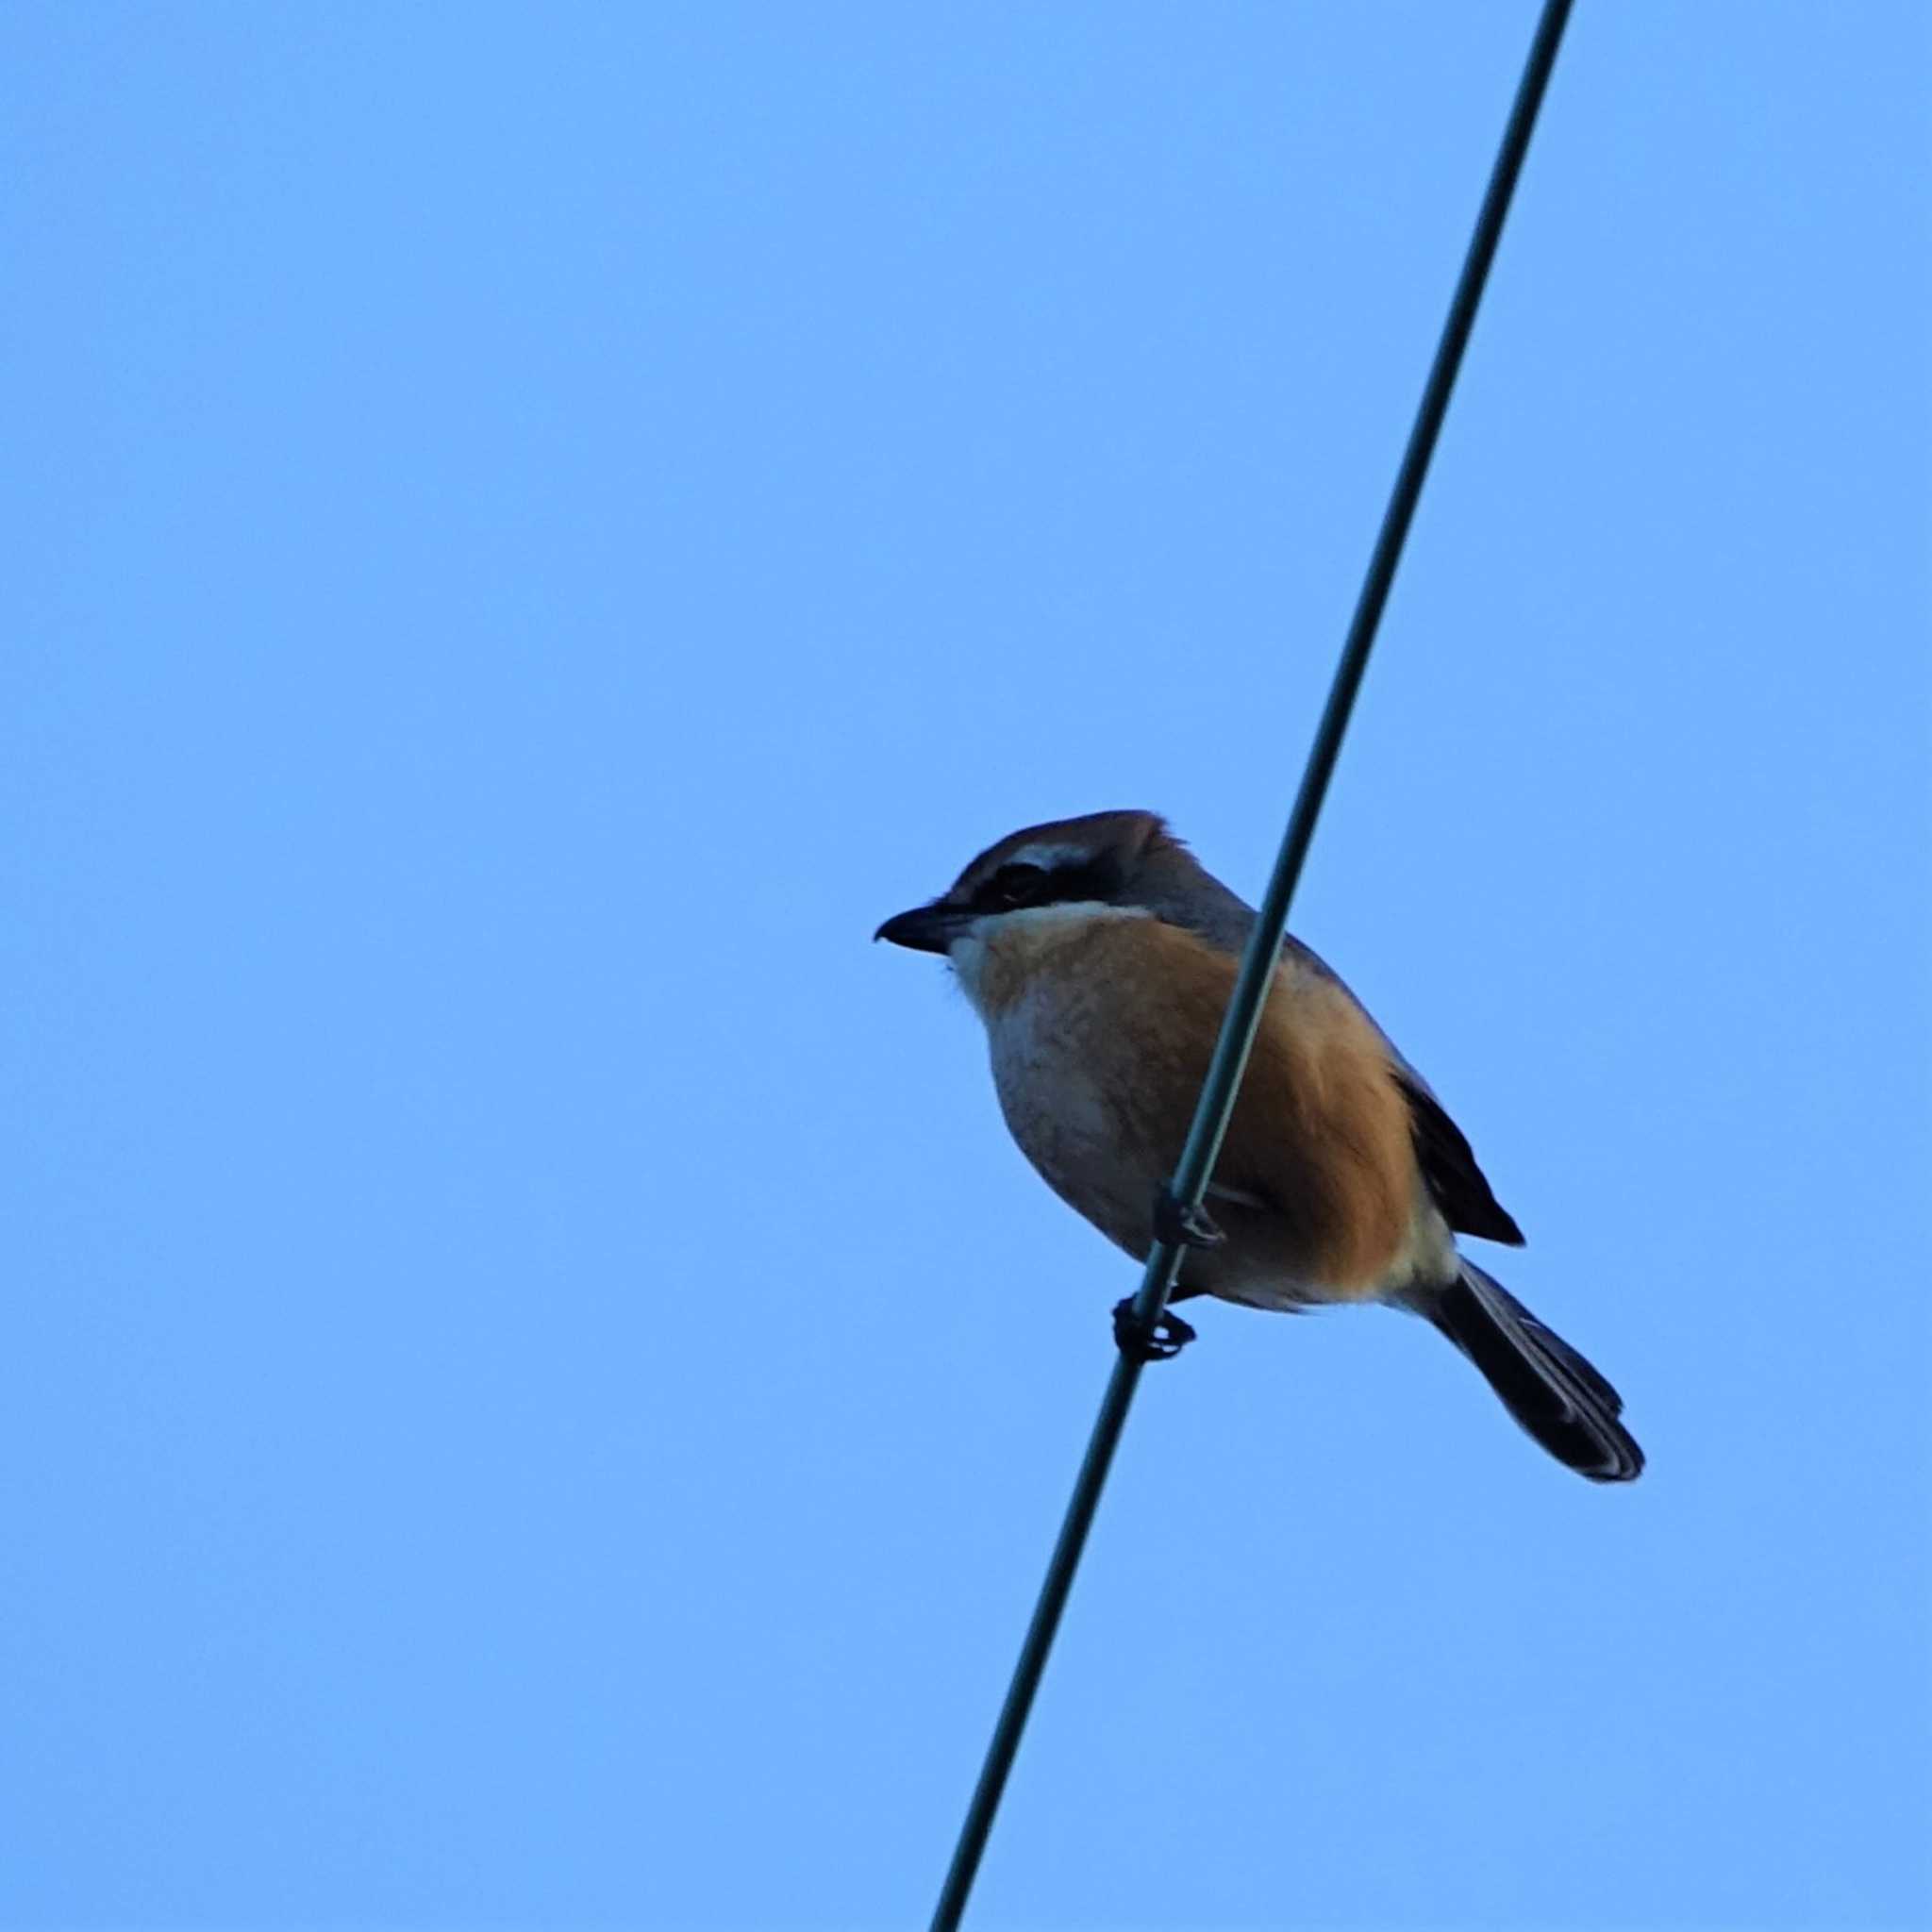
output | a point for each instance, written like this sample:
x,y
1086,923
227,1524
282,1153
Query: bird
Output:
x,y
1100,954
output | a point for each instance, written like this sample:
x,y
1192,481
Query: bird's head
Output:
x,y
1116,858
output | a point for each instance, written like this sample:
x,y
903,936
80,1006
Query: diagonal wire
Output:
x,y
1244,1014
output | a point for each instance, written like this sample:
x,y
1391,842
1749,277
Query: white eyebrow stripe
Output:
x,y
1048,857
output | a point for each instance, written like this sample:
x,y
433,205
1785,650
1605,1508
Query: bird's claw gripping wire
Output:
x,y
1160,1344
1181,1227
1177,1226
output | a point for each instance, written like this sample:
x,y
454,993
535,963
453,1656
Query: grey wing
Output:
x,y
1458,1185
1455,1181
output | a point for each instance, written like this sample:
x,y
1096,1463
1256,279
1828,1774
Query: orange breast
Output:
x,y
1128,1010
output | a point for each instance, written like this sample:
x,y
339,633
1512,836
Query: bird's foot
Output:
x,y
1180,1226
1161,1342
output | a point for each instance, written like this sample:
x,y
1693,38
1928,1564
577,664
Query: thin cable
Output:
x,y
1244,1015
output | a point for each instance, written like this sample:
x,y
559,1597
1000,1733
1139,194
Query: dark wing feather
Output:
x,y
1449,1167
1202,905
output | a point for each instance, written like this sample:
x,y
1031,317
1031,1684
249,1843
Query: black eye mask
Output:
x,y
1019,884
1012,886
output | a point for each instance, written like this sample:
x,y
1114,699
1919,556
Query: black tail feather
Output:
x,y
1544,1383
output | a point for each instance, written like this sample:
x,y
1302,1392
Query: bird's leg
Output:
x,y
1177,1227
1161,1342
1181,1227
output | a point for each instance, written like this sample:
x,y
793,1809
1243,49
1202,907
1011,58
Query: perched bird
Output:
x,y
1100,954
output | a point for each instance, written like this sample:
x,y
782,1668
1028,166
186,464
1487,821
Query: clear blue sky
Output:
x,y
537,1391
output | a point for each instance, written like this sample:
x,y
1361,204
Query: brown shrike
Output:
x,y
1101,955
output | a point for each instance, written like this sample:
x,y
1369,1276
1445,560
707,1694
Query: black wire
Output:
x,y
1257,964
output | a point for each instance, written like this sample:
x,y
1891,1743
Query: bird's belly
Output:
x,y
1060,1118
1264,1266
1084,1120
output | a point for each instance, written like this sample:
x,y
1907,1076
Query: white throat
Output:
x,y
1028,926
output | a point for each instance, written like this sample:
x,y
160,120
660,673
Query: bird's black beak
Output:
x,y
926,928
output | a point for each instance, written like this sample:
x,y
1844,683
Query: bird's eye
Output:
x,y
1016,884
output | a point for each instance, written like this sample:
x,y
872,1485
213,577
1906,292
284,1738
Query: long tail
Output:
x,y
1557,1395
